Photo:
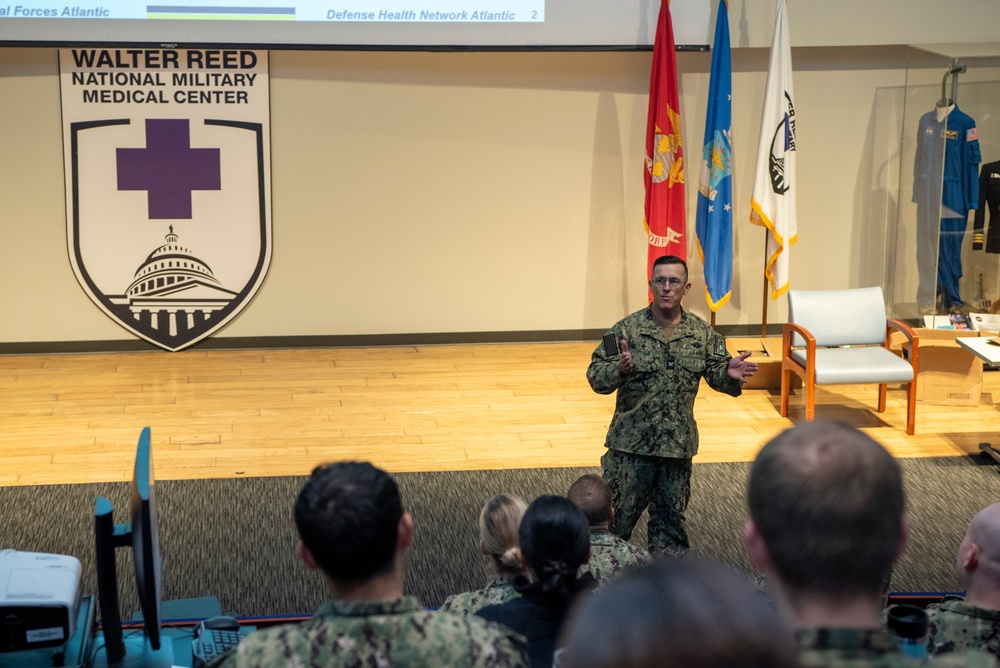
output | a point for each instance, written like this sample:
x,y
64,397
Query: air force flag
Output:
x,y
773,204
714,223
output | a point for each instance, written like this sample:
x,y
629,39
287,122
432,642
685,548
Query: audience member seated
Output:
x,y
353,529
555,542
826,524
611,556
678,613
972,623
498,524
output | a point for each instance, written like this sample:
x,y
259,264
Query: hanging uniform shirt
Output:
x,y
989,196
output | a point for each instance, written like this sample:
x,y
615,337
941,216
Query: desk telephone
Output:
x,y
214,636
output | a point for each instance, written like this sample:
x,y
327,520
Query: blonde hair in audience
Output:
x,y
498,524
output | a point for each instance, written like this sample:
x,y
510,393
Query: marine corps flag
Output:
x,y
664,175
773,204
714,222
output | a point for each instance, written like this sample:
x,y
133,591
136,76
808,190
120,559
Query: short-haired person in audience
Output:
x,y
678,613
611,555
826,524
555,541
353,529
665,353
499,521
972,623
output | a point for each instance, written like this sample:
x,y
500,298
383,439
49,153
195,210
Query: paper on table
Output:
x,y
985,322
938,322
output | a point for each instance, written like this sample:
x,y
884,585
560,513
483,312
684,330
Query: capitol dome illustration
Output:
x,y
173,290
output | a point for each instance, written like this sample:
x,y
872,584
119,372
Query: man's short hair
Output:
x,y
670,259
593,496
348,517
828,502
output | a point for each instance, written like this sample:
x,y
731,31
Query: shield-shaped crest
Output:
x,y
169,232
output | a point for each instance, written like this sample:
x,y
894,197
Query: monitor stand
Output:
x,y
138,654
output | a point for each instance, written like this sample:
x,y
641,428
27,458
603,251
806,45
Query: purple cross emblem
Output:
x,y
168,168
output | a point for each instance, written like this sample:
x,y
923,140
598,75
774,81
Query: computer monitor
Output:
x,y
145,650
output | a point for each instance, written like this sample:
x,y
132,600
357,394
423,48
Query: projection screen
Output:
x,y
353,24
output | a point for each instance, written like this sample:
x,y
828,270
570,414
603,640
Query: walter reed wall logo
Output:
x,y
167,155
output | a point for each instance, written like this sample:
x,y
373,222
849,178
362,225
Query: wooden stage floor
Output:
x,y
217,414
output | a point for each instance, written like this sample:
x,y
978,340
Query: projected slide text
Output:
x,y
415,11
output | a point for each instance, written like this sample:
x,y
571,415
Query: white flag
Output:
x,y
773,204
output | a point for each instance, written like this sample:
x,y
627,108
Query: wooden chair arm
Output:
x,y
914,339
789,329
900,326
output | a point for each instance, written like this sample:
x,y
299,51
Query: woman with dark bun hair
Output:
x,y
499,522
555,541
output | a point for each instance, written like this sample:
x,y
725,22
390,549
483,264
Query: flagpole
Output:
x,y
763,306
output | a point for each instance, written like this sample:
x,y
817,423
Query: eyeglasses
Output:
x,y
661,281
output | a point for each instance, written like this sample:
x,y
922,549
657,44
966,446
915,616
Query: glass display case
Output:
x,y
942,255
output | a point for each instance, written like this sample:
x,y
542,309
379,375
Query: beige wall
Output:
x,y
463,192
440,192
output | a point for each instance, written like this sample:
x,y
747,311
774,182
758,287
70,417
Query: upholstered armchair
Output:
x,y
838,337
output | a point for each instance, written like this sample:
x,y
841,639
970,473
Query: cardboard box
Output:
x,y
947,373
767,355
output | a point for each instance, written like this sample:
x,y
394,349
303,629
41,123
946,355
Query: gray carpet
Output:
x,y
234,538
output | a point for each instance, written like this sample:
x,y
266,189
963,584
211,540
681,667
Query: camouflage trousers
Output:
x,y
661,483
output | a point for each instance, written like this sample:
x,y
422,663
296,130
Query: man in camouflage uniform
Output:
x,y
974,622
352,528
665,352
611,555
826,523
